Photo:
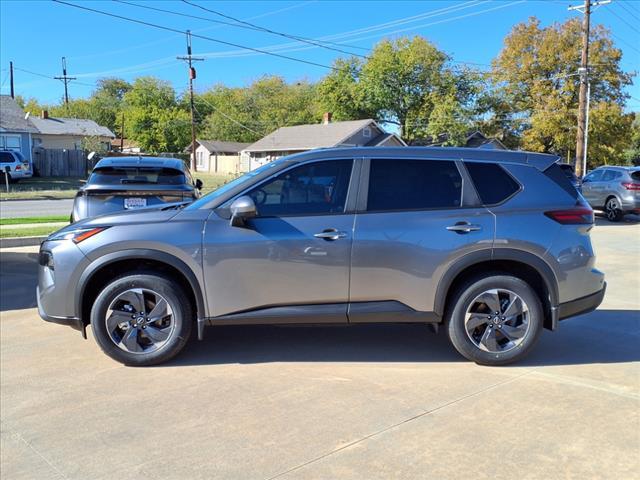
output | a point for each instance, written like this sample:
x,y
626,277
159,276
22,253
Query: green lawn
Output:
x,y
27,220
42,188
211,181
35,231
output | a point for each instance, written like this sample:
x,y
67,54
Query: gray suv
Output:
x,y
616,190
492,246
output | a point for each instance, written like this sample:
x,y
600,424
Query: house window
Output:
x,y
366,132
10,142
199,159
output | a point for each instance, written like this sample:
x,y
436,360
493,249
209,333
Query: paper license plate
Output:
x,y
135,203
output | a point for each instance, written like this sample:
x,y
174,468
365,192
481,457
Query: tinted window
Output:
x,y
559,177
314,188
610,175
635,175
493,184
594,176
6,157
136,175
413,184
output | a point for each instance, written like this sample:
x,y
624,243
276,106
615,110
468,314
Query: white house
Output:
x,y
214,156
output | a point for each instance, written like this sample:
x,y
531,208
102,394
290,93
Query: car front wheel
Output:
x,y
142,319
495,319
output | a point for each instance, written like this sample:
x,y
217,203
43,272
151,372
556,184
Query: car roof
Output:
x,y
139,161
625,168
538,160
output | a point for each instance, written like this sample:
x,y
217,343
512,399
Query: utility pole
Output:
x,y
583,101
65,79
192,75
122,135
11,79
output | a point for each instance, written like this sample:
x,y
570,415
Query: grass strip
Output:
x,y
29,220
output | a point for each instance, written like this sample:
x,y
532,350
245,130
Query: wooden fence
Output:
x,y
54,162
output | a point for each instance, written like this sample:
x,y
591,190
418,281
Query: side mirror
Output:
x,y
585,180
198,184
242,209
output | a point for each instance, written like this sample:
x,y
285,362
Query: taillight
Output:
x,y
18,167
631,186
572,216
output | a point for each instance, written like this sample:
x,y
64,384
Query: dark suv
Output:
x,y
491,245
129,183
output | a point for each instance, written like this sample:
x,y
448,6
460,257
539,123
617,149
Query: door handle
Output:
x,y
330,234
464,227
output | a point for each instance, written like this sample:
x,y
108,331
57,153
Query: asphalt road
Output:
x,y
35,208
358,402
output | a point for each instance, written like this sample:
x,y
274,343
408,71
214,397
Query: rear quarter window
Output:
x,y
493,184
558,176
636,175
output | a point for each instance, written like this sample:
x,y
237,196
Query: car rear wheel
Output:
x,y
612,210
142,319
495,319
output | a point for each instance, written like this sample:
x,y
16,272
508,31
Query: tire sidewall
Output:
x,y
175,297
461,302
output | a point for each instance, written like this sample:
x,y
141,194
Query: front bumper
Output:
x,y
73,322
581,305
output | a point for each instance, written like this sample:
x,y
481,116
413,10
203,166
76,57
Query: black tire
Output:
x,y
175,296
612,210
462,301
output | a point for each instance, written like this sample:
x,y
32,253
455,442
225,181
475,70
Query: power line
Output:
x,y
228,117
248,25
628,10
203,37
633,47
631,26
50,77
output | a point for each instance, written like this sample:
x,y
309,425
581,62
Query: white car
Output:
x,y
18,167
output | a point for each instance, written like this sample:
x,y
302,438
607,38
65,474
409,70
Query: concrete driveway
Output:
x,y
360,402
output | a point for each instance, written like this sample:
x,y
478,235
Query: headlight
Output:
x,y
76,235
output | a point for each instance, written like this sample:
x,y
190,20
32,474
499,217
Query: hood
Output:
x,y
125,217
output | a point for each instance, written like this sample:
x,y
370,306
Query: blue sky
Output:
x,y
36,34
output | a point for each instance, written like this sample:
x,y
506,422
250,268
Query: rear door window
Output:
x,y
610,175
413,185
493,184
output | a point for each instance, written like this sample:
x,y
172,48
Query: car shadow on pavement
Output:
x,y
604,336
18,280
601,221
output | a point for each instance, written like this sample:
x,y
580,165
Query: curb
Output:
x,y
20,241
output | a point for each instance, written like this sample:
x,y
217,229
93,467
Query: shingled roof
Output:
x,y
70,126
12,117
308,137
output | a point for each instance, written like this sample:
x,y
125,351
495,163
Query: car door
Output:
x,y
590,185
413,222
293,256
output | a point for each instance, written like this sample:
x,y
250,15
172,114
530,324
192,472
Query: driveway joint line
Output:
x,y
410,419
28,444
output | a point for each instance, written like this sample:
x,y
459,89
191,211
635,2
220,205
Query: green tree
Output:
x,y
246,114
407,82
536,91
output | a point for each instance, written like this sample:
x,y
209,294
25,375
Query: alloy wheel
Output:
x,y
139,320
611,209
497,321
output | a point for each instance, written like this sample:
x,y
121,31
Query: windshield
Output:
x,y
136,175
246,178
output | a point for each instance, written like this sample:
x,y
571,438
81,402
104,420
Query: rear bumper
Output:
x,y
72,322
581,305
